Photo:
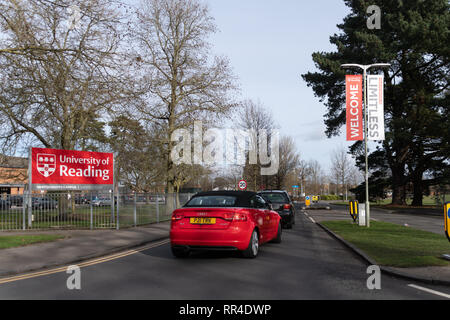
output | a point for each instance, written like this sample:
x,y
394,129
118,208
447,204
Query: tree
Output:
x,y
289,160
340,166
316,177
138,159
413,38
183,82
254,117
59,79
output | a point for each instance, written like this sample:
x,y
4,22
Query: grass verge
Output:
x,y
394,245
19,241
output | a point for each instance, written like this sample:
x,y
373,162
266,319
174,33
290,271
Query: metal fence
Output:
x,y
72,210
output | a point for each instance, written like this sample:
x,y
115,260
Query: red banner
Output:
x,y
69,169
353,89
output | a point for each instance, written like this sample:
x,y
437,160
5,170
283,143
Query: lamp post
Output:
x,y
365,68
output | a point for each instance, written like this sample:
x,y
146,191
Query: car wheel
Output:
x,y
253,246
180,252
277,239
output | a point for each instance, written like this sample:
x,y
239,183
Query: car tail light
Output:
x,y
228,216
240,217
286,206
177,217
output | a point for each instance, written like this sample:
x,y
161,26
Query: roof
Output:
x,y
13,162
243,197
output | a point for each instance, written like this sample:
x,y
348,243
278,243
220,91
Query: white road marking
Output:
x,y
312,220
430,291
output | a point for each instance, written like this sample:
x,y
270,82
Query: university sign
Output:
x,y
54,169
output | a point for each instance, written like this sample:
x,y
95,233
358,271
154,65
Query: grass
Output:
x,y
394,245
19,241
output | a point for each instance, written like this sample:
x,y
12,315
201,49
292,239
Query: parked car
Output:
x,y
81,199
5,204
224,220
44,203
16,201
101,202
282,203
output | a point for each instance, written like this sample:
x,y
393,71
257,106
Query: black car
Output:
x,y
16,201
282,203
44,203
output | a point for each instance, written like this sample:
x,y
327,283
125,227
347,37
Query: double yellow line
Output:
x,y
83,264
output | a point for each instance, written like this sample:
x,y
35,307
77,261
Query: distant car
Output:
x,y
224,220
44,203
80,199
101,202
16,201
282,203
5,204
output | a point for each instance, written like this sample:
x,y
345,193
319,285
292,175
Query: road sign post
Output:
x,y
353,204
366,127
307,201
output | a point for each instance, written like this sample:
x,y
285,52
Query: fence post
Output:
x,y
23,211
90,209
157,208
134,209
118,200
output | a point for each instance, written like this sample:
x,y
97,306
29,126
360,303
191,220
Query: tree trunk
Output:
x,y
398,186
418,189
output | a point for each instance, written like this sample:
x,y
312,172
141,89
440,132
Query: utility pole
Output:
x,y
366,129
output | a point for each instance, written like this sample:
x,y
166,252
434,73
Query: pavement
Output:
x,y
432,222
80,245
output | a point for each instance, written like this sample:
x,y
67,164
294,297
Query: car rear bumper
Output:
x,y
232,238
286,217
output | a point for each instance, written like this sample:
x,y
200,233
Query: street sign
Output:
x,y
308,201
375,107
447,219
295,187
354,209
354,112
242,185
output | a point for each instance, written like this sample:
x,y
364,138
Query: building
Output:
x,y
13,174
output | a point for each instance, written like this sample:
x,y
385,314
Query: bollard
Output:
x,y
447,219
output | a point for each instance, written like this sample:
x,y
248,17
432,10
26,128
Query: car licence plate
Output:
x,y
203,220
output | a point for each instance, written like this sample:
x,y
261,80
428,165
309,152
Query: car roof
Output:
x,y
243,197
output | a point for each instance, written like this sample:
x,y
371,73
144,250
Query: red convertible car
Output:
x,y
224,220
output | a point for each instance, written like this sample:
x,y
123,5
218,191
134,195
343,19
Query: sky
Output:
x,y
269,44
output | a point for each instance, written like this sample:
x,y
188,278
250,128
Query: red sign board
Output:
x,y
71,170
353,85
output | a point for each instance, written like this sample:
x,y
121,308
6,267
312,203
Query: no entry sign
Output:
x,y
55,169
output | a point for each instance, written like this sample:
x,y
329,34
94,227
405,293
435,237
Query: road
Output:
x,y
308,264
